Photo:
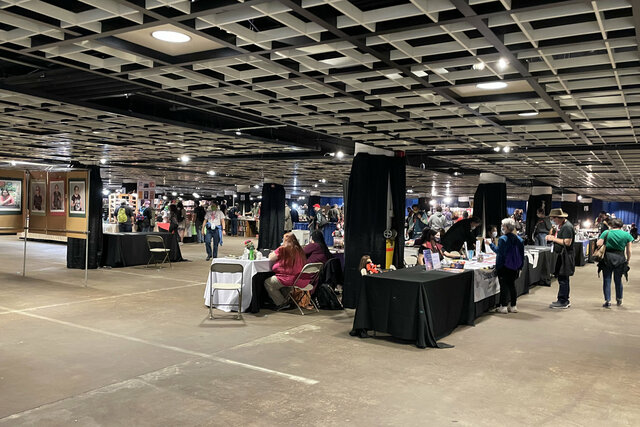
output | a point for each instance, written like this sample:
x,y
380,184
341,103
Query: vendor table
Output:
x,y
415,304
581,252
301,226
127,249
252,268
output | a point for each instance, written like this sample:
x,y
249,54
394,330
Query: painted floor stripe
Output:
x,y
291,377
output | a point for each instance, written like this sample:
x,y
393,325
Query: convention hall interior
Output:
x,y
319,212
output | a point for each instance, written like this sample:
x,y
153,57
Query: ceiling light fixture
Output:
x,y
184,158
479,66
105,192
174,194
502,63
339,154
103,161
170,36
491,85
211,172
409,191
506,149
238,132
528,114
447,199
496,149
256,186
579,197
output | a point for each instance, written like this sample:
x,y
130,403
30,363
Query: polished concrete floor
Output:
x,y
135,348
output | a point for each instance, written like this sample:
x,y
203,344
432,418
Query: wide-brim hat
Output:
x,y
558,212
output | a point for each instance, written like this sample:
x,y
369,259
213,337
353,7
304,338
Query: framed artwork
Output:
x,y
10,196
77,197
38,198
56,197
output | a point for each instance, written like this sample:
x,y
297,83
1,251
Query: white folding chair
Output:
x,y
226,268
313,270
157,250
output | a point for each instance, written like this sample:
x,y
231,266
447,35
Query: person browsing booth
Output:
x,y
213,230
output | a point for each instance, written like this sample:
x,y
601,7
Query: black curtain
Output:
x,y
366,221
536,202
271,216
584,215
490,203
76,247
244,202
573,210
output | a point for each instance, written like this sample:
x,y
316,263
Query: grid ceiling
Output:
x,y
301,79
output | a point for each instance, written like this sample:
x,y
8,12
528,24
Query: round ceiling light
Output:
x,y
528,114
491,85
171,36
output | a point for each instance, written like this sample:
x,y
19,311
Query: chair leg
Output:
x,y
295,302
169,259
211,291
239,317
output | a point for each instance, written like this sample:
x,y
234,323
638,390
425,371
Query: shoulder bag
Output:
x,y
598,254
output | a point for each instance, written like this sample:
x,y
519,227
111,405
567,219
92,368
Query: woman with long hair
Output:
x,y
182,219
317,250
289,259
428,241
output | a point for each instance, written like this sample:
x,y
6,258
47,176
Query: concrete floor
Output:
x,y
136,347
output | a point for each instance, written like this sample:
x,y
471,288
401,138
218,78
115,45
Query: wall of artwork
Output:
x,y
56,201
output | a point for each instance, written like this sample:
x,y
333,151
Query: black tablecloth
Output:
x,y
414,304
578,251
127,249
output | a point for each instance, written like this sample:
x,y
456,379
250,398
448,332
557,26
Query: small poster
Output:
x,y
435,261
56,197
10,196
77,197
146,191
38,198
428,259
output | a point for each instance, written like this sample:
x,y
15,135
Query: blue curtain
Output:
x,y
512,205
628,212
331,201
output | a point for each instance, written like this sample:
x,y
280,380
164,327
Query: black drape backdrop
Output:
x,y
76,247
572,209
536,202
271,216
490,203
366,210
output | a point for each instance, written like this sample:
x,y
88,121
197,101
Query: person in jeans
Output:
x,y
289,259
563,238
542,228
125,221
199,212
509,261
213,229
618,242
234,212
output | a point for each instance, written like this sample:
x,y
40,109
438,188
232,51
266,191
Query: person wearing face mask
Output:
x,y
428,240
563,246
492,234
460,232
509,262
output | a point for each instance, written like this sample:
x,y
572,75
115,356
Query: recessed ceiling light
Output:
x,y
528,114
496,149
491,85
339,154
506,149
212,172
479,66
502,63
103,161
171,36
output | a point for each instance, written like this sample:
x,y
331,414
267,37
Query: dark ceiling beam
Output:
x,y
197,161
491,37
635,8
516,151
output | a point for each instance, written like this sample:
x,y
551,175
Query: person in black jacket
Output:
x,y
199,213
460,232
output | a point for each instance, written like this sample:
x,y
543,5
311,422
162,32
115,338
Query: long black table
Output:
x,y
127,249
415,304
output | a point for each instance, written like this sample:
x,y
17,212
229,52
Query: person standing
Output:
x,y
460,232
213,229
417,222
288,223
334,214
563,246
124,215
149,221
438,220
542,228
199,213
295,216
318,220
618,242
233,219
509,262
182,220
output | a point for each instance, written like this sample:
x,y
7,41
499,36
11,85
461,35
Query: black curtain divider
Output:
x,y
424,203
366,216
312,201
572,209
271,216
536,202
584,215
490,203
76,247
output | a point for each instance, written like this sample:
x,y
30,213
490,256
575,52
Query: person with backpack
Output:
x,y
318,220
509,262
149,221
618,244
124,215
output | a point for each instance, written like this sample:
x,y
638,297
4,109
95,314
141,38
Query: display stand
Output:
x,y
116,198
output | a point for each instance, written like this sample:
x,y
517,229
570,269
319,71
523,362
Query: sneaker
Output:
x,y
208,258
558,304
606,304
512,309
501,310
619,301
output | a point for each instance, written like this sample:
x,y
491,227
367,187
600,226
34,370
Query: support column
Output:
x,y
570,205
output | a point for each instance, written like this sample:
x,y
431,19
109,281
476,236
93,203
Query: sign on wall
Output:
x,y
10,196
56,197
38,198
77,197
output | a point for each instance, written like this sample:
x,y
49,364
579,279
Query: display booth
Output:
x,y
52,205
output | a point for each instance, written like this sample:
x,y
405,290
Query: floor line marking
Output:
x,y
62,304
291,377
143,275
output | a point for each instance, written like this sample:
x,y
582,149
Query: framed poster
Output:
x,y
77,197
56,197
10,196
38,198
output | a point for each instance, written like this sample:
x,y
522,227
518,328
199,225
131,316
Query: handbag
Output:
x,y
599,254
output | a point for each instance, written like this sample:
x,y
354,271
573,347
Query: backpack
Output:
x,y
122,215
326,299
514,259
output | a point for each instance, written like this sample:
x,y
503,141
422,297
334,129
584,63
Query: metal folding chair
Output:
x,y
312,269
157,249
226,268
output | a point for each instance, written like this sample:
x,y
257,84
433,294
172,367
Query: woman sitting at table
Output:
x,y
317,250
428,240
289,260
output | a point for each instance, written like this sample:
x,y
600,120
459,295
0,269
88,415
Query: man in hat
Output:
x,y
563,239
318,220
